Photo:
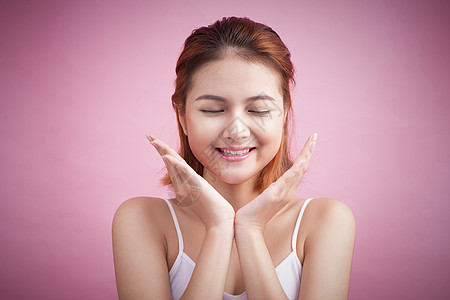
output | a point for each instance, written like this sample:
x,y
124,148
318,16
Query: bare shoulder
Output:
x,y
325,273
324,217
144,209
145,218
329,219
331,209
138,235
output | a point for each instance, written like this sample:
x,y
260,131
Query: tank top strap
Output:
x,y
177,226
297,225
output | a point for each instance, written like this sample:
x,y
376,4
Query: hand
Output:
x,y
260,210
192,190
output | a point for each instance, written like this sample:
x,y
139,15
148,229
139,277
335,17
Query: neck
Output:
x,y
236,194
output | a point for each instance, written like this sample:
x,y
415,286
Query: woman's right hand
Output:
x,y
192,190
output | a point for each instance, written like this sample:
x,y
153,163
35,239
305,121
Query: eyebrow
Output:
x,y
221,99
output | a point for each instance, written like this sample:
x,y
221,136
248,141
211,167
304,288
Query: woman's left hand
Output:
x,y
255,214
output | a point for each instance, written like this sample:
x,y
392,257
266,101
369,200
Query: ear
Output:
x,y
182,119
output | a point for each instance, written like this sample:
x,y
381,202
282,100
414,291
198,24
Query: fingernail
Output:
x,y
154,144
314,139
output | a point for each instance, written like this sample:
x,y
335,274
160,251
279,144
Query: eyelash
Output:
x,y
252,111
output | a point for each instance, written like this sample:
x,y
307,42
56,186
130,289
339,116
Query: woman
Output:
x,y
233,230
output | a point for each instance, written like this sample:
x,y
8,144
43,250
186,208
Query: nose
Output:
x,y
237,132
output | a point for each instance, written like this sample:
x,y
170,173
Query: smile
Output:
x,y
231,155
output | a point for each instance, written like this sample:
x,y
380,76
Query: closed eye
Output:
x,y
265,112
211,111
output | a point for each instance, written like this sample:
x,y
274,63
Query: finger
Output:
x,y
292,177
295,174
178,161
162,147
302,169
187,190
307,150
177,187
177,172
290,180
184,174
172,171
158,146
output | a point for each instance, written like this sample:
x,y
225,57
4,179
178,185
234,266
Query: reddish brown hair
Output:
x,y
251,41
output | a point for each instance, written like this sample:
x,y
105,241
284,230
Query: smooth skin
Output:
x,y
236,237
139,242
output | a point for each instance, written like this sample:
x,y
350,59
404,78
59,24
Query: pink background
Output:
x,y
82,83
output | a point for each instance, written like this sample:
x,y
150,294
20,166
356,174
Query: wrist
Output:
x,y
220,227
243,224
245,229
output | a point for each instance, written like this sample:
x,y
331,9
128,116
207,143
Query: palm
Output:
x,y
192,190
260,210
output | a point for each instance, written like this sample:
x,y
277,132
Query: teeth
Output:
x,y
234,153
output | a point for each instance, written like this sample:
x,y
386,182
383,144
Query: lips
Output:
x,y
235,151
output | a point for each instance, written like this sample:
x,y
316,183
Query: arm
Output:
x,y
217,215
139,252
210,273
260,278
328,252
140,255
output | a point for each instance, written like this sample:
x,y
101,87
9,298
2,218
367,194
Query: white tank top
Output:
x,y
288,271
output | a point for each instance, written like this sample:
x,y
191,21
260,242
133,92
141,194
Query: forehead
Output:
x,y
233,76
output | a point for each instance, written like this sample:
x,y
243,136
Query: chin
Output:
x,y
230,177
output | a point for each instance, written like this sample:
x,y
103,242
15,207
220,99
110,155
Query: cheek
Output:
x,y
205,129
270,130
272,140
203,134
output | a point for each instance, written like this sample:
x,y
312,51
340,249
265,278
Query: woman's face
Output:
x,y
234,104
